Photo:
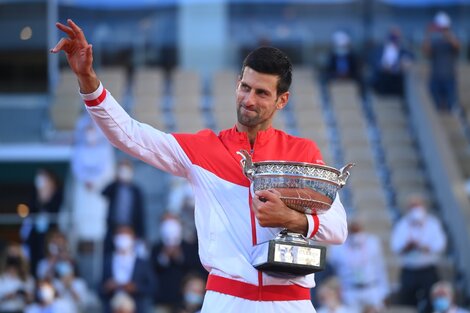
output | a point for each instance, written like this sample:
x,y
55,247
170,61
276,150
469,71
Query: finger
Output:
x,y
63,44
77,31
268,195
66,30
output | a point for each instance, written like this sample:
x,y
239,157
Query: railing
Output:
x,y
446,180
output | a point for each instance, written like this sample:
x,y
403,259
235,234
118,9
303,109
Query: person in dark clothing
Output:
x,y
172,259
389,64
124,271
442,48
45,205
125,204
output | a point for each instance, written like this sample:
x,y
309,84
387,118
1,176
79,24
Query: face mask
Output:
x,y
53,249
39,181
417,214
123,242
193,298
125,174
46,294
441,304
64,269
171,232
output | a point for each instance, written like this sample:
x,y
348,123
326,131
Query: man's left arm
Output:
x,y
330,227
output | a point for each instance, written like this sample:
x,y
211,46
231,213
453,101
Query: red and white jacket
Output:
x,y
226,226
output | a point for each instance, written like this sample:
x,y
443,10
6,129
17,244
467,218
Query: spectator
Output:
x,y
329,295
45,205
442,48
92,169
443,299
172,258
389,64
125,204
194,288
122,303
71,287
342,62
181,203
47,301
57,250
16,283
124,271
361,270
419,241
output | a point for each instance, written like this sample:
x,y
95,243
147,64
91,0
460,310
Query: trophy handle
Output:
x,y
247,164
344,174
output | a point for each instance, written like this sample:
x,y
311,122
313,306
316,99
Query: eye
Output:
x,y
244,87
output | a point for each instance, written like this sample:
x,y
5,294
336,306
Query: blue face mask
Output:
x,y
441,304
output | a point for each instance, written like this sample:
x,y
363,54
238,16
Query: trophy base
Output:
x,y
289,255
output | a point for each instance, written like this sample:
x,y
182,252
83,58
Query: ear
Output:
x,y
282,100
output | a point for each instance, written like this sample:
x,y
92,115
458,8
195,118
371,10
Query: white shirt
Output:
x,y
11,284
360,261
123,267
427,233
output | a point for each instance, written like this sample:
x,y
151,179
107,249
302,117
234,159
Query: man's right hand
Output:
x,y
79,56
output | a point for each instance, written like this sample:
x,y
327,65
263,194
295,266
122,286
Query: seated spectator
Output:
x,y
124,271
125,204
419,241
122,303
342,62
360,266
194,289
47,301
57,250
389,64
443,299
70,287
329,295
442,47
16,283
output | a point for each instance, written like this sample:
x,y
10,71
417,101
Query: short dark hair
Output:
x,y
270,60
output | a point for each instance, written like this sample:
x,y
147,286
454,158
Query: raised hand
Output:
x,y
79,55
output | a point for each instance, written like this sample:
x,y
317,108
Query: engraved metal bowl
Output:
x,y
305,187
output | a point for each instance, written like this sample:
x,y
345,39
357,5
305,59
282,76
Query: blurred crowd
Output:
x,y
51,271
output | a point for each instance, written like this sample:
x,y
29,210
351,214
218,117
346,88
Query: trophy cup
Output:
x,y
305,187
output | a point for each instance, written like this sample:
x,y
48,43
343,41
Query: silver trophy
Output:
x,y
305,187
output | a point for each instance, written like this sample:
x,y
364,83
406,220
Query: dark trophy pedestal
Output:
x,y
289,254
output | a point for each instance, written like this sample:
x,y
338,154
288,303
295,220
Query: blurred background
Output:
x,y
382,83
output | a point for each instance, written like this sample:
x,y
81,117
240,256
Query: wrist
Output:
x,y
298,224
88,82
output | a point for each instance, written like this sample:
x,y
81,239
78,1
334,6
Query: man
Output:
x,y
419,241
125,271
443,299
125,204
442,47
229,221
361,268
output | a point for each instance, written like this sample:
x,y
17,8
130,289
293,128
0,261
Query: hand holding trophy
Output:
x,y
305,187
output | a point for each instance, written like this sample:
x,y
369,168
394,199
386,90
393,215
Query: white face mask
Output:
x,y
40,181
417,214
46,294
125,174
123,242
171,232
193,298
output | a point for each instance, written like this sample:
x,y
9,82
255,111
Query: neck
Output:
x,y
252,132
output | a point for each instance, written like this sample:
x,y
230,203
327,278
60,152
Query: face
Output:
x,y
257,99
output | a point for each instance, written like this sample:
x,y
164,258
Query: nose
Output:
x,y
250,98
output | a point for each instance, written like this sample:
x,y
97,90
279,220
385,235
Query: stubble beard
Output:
x,y
246,120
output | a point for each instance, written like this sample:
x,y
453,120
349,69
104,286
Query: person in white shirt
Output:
x,y
443,299
360,267
329,296
419,241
